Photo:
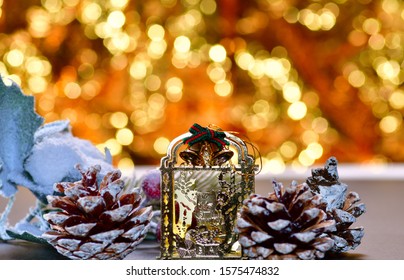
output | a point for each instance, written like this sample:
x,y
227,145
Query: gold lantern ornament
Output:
x,y
205,176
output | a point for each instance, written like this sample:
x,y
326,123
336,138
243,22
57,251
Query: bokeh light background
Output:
x,y
302,80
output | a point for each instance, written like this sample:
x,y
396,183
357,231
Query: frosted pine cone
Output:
x,y
346,238
96,222
342,207
289,224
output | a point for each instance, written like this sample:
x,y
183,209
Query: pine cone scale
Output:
x,y
117,215
284,248
324,226
68,243
279,225
91,204
305,237
80,229
107,236
323,244
260,237
64,203
135,232
141,215
305,254
56,218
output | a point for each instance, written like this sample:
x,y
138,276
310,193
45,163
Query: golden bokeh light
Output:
x,y
161,145
217,53
182,44
297,110
124,136
302,81
118,119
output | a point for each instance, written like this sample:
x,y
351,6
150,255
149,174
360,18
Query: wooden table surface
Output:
x,y
383,221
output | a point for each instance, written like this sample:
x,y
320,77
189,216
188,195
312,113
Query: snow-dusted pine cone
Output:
x,y
342,207
291,223
96,221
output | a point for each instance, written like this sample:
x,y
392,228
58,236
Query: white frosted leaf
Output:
x,y
279,224
18,125
107,236
25,227
68,243
284,248
53,159
90,203
119,214
80,229
50,129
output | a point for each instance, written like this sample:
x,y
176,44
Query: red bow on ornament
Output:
x,y
206,139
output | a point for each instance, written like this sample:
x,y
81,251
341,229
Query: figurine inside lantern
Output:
x,y
205,177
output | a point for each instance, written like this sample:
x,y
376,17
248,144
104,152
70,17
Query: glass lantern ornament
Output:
x,y
205,177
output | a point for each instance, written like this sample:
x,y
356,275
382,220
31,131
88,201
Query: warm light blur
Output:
x,y
301,80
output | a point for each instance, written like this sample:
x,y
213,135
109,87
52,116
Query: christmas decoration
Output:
x,y
36,155
343,207
19,122
306,221
151,184
96,221
204,178
291,223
